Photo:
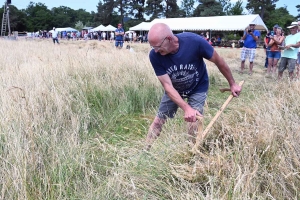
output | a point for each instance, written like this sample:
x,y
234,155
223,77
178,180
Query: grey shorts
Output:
x,y
298,60
288,63
168,108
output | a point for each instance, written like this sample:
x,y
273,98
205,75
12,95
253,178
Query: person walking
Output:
x,y
250,37
289,55
178,63
119,33
55,36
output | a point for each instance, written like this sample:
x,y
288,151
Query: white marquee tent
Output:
x,y
110,28
144,26
98,28
68,29
214,23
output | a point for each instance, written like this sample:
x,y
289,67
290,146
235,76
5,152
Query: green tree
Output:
x,y
122,7
104,12
226,5
137,9
39,17
237,8
298,9
171,9
84,16
17,18
281,17
187,7
63,16
79,25
262,7
154,9
208,8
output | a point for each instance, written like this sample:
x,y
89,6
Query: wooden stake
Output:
x,y
200,135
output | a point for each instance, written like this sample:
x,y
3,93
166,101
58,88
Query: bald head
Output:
x,y
158,32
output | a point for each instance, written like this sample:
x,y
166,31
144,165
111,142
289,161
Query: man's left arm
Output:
x,y
225,70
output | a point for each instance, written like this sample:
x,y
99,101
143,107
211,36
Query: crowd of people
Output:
x,y
278,47
129,37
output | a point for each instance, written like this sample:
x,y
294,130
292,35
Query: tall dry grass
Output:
x,y
73,119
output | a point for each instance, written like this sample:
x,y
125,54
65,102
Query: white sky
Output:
x,y
91,5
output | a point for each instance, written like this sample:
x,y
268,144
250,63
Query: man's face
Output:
x,y
293,30
252,26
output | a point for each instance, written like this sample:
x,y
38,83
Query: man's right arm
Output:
x,y
189,112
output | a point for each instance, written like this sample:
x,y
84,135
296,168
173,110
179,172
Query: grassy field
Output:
x,y
74,117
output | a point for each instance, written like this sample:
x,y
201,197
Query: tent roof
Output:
x,y
98,28
110,28
144,26
87,28
66,29
218,23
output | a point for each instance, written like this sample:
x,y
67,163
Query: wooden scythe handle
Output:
x,y
200,136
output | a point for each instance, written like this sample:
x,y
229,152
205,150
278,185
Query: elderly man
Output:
x,y
289,55
179,66
250,37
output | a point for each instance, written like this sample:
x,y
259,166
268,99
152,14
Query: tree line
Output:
x,y
37,16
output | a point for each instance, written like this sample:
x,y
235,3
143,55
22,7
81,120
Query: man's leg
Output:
x,y
250,68
282,67
242,66
267,59
243,58
251,60
270,64
291,67
167,109
154,131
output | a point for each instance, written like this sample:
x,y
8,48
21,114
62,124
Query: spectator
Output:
x,y
103,35
55,36
112,36
219,40
250,37
130,37
134,36
266,42
289,55
178,62
119,32
274,51
241,42
207,36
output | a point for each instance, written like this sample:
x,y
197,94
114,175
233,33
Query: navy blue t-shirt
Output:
x,y
186,68
119,37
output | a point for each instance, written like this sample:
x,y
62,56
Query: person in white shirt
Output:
x,y
103,35
130,36
134,36
289,55
55,36
112,36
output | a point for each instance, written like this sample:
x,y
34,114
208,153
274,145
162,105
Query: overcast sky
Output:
x,y
91,5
